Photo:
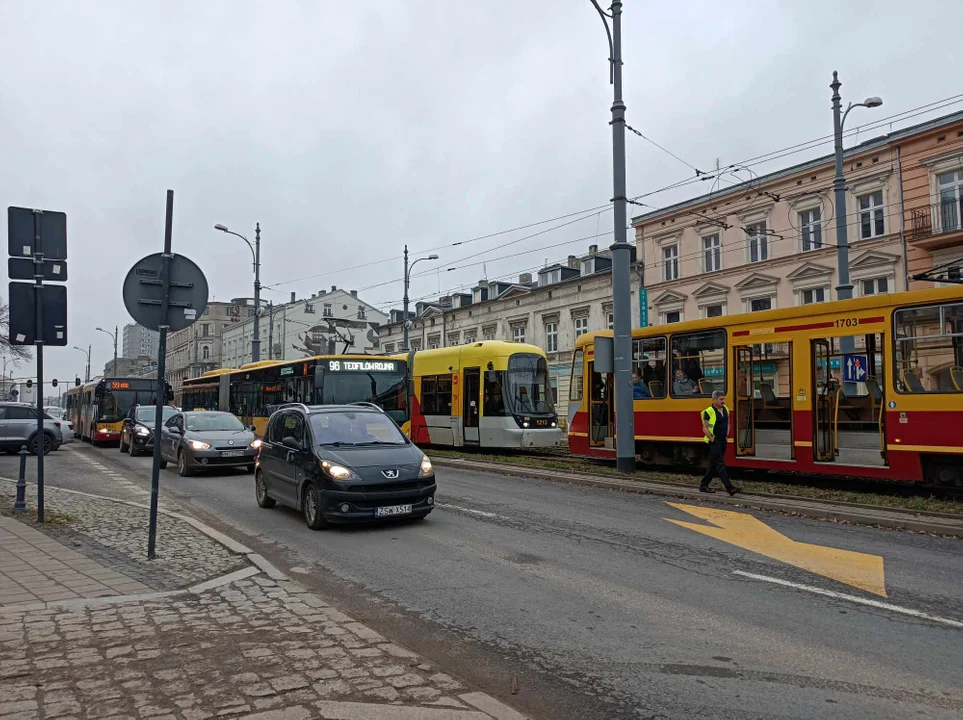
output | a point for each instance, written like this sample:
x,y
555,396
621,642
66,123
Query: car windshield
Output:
x,y
212,422
147,413
355,428
528,387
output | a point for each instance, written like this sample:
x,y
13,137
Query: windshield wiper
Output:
x,y
378,442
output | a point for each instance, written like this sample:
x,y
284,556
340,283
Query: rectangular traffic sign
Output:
x,y
855,368
25,224
23,314
23,269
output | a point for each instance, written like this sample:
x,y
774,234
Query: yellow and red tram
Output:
x,y
870,387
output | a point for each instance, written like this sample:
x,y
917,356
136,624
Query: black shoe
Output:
x,y
705,489
733,490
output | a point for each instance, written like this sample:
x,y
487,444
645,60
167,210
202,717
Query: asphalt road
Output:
x,y
599,606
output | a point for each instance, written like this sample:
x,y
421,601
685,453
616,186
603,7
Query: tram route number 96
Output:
x,y
847,322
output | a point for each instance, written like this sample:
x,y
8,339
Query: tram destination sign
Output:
x,y
360,365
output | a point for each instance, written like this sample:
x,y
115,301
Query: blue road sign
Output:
x,y
643,307
855,368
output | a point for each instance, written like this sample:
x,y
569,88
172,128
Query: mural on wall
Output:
x,y
335,337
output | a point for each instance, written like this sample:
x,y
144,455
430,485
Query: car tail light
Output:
x,y
57,424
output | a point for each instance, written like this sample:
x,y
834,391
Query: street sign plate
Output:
x,y
143,292
643,307
855,368
23,314
22,269
22,232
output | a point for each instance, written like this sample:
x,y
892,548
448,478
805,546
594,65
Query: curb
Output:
x,y
869,515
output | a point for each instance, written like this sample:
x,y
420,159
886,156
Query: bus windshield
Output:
x,y
384,389
527,387
116,404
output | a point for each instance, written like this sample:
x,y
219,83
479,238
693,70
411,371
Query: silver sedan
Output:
x,y
204,440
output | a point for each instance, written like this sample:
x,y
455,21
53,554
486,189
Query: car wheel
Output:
x,y
250,468
182,467
123,446
162,464
132,451
34,446
311,507
261,492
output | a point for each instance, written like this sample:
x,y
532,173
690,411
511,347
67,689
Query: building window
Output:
x,y
206,330
581,326
518,333
875,286
416,344
488,333
758,242
812,295
951,199
870,215
551,337
716,310
812,231
469,339
361,315
389,347
206,353
326,311
553,383
712,253
672,316
760,304
670,262
610,320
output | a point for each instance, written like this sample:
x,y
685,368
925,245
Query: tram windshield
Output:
x,y
527,386
384,389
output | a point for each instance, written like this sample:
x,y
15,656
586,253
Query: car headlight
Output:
x,y
255,444
141,430
554,424
426,468
337,472
198,445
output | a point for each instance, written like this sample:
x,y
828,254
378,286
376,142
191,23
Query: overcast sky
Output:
x,y
347,129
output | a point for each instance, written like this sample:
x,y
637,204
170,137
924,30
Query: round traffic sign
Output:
x,y
144,292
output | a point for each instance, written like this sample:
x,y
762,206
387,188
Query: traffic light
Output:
x,y
29,384
53,383
76,382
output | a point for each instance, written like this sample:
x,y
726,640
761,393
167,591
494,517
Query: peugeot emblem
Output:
x,y
230,442
390,474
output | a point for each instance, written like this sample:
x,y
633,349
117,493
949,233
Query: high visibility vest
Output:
x,y
712,419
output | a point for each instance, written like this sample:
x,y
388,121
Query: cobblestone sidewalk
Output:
x,y
240,644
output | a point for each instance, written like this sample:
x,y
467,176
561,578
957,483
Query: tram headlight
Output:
x,y
554,424
525,424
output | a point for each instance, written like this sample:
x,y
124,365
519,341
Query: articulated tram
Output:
x,y
484,394
870,387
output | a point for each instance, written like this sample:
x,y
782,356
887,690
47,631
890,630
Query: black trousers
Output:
x,y
717,466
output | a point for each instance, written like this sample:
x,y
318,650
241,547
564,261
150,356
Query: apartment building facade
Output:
x,y
138,340
197,349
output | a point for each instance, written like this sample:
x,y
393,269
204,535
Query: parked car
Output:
x,y
205,439
55,411
137,432
18,427
342,463
66,430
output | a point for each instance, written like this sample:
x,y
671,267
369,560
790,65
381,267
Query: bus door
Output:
x,y
472,393
824,398
600,410
745,430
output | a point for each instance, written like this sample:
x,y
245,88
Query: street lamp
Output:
x,y
407,280
256,253
113,335
87,353
621,254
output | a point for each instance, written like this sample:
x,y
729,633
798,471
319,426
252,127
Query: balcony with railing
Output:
x,y
937,225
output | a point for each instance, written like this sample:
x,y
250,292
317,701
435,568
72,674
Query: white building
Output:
x,y
566,300
329,322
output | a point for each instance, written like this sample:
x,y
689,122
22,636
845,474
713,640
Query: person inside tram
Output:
x,y
683,385
639,390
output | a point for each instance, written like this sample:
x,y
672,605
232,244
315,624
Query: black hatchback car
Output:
x,y
342,463
137,432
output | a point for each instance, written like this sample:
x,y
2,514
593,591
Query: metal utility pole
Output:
x,y
194,368
408,269
87,353
256,253
113,336
621,254
270,330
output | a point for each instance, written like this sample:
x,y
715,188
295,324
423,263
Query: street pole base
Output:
x,y
626,464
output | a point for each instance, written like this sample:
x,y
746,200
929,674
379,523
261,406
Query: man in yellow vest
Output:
x,y
715,427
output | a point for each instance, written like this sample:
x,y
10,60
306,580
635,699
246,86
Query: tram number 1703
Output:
x,y
846,322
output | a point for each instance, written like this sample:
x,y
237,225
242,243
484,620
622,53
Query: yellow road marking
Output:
x,y
860,570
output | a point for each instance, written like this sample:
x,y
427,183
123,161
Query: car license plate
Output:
x,y
393,510
232,453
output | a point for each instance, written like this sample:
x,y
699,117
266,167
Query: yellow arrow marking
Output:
x,y
743,530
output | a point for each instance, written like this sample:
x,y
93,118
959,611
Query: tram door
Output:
x,y
600,428
824,447
745,411
471,400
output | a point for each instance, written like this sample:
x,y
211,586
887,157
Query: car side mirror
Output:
x,y
174,429
290,442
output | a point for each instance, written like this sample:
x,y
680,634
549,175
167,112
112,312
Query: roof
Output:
x,y
865,146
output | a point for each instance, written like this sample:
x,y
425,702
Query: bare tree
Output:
x,y
16,353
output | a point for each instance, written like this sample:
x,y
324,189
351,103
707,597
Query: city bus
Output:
x,y
253,391
870,387
484,394
97,409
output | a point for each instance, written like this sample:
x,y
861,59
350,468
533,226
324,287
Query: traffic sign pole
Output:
x,y
38,294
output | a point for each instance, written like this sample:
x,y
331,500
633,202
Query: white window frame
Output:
x,y
670,262
610,320
581,325
748,300
664,316
810,221
704,309
801,294
518,333
888,279
551,337
709,250
761,238
872,210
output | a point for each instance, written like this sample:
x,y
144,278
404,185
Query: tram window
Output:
x,y
494,398
575,387
436,395
698,363
443,395
929,349
428,395
648,362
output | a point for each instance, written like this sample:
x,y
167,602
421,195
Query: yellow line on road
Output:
x,y
860,570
